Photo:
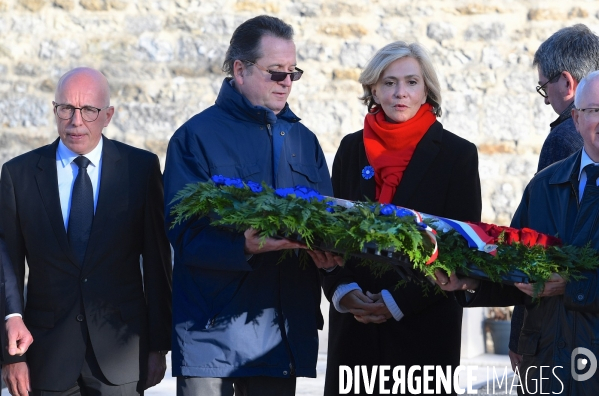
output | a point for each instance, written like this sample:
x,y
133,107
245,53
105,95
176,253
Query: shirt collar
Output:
x,y
564,115
584,161
66,156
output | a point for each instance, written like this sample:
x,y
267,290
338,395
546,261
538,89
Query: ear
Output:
x,y
575,115
373,93
239,71
109,114
571,84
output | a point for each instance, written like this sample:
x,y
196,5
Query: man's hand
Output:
x,y
253,241
156,368
515,359
16,378
19,338
360,305
378,315
325,260
453,283
555,286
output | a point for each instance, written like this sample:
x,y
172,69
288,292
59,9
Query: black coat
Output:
x,y
11,300
441,179
106,298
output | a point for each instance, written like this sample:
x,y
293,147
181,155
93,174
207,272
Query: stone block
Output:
x,y
451,57
257,7
119,5
471,80
344,30
347,74
23,111
94,5
546,14
341,8
356,54
143,23
308,9
492,58
440,31
485,31
66,5
394,29
48,85
478,8
57,50
500,122
578,12
155,50
313,50
26,69
33,5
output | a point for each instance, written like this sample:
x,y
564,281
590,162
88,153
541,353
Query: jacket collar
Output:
x,y
564,115
236,104
567,170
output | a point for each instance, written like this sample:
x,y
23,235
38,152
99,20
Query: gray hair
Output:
x,y
389,54
574,49
245,42
582,86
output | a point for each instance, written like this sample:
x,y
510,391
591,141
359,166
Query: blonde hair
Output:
x,y
389,54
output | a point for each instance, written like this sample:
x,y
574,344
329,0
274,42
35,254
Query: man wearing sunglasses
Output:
x,y
245,316
562,61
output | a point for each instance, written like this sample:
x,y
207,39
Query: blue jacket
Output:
x,y
233,316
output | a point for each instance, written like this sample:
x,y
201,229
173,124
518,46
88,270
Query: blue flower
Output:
x,y
368,172
219,180
421,225
401,212
387,210
234,182
255,187
283,192
330,210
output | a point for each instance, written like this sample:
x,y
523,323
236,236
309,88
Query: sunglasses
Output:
x,y
277,75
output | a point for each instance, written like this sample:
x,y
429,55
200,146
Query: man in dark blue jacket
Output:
x,y
245,323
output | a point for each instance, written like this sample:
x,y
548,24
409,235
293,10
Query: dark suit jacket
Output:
x,y
11,300
104,298
441,179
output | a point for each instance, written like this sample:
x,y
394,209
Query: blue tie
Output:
x,y
81,215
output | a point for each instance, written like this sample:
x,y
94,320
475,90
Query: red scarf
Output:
x,y
389,147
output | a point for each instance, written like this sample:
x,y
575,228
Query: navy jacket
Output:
x,y
233,316
554,326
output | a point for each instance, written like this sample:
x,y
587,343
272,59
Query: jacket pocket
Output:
x,y
529,342
243,171
35,318
310,172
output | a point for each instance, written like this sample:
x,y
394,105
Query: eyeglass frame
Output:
x,y
298,72
586,110
541,90
98,110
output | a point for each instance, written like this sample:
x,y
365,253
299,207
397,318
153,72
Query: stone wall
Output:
x,y
163,61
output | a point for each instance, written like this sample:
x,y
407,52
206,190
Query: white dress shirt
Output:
x,y
67,171
582,175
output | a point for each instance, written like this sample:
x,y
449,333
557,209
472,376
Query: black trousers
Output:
x,y
91,382
238,386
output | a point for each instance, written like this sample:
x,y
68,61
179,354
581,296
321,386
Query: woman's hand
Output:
x,y
325,260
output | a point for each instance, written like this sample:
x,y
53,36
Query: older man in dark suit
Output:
x,y
82,211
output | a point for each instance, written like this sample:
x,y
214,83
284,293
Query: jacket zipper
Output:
x,y
272,155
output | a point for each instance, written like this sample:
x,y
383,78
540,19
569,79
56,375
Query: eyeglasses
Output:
x,y
277,75
542,90
88,113
591,112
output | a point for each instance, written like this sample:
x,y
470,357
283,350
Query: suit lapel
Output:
x,y
422,159
47,182
112,200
